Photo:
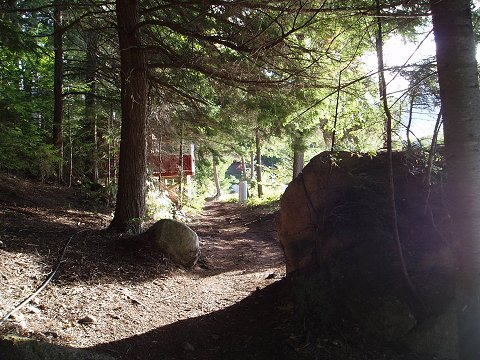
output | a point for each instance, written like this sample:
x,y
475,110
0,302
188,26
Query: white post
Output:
x,y
242,191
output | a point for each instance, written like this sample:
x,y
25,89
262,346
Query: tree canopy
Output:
x,y
294,70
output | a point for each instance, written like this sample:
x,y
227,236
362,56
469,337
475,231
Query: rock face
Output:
x,y
336,220
176,240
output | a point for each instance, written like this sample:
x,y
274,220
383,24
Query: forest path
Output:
x,y
137,305
237,238
224,311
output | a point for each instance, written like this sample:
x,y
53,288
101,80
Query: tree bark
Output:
x,y
90,111
70,146
433,149
244,169
460,99
218,189
410,118
298,146
298,162
259,162
180,171
252,165
57,135
130,205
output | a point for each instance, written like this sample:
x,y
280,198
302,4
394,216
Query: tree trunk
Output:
x,y
57,135
433,149
218,194
180,171
244,169
90,111
109,148
259,163
460,99
298,161
388,139
130,206
410,118
252,165
70,146
298,146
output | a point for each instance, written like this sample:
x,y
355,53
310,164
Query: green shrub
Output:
x,y
24,151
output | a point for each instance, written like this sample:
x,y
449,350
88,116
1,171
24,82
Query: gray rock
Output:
x,y
18,348
176,240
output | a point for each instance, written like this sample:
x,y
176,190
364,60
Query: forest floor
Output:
x,y
138,305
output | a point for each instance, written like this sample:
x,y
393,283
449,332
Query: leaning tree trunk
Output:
x,y
433,148
388,137
130,206
460,98
410,118
57,135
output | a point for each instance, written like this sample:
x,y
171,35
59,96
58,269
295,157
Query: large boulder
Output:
x,y
176,240
335,218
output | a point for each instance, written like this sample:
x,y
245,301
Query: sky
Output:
x,y
396,53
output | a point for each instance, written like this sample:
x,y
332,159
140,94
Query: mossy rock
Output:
x,y
19,348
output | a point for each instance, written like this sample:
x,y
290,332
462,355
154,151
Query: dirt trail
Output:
x,y
138,306
225,311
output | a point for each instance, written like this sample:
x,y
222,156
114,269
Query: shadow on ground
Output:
x,y
258,327
38,220
265,325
